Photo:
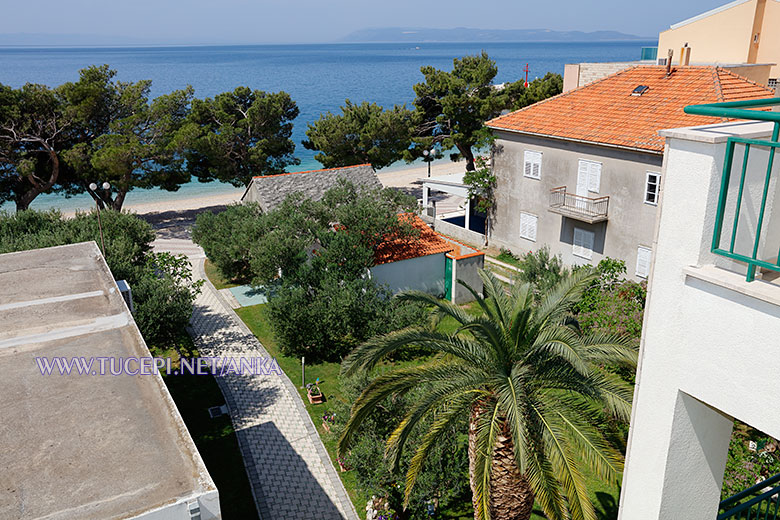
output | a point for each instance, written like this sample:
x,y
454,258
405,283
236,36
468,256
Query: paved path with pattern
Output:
x,y
291,475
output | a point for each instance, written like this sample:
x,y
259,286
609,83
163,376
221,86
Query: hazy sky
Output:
x,y
283,21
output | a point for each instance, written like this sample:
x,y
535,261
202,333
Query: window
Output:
x,y
528,226
643,257
772,83
532,164
588,177
583,243
652,188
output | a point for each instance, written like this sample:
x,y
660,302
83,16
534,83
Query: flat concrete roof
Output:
x,y
82,446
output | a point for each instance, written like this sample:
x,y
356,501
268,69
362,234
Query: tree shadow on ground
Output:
x,y
176,223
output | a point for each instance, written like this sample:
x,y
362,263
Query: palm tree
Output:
x,y
531,384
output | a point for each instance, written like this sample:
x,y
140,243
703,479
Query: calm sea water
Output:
x,y
318,77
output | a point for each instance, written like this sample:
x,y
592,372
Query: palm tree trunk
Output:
x,y
511,496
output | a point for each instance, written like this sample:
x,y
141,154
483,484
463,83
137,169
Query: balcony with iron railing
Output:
x,y
585,209
747,218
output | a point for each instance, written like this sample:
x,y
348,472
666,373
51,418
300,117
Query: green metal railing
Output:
x,y
757,502
743,110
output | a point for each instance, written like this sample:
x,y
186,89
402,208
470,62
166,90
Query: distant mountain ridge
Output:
x,y
465,34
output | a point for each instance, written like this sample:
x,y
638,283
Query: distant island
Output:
x,y
465,34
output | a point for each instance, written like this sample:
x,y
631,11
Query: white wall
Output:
x,y
208,503
425,273
709,348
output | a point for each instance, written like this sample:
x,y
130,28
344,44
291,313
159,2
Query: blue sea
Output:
x,y
318,77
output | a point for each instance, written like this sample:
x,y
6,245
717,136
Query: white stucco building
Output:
x,y
709,351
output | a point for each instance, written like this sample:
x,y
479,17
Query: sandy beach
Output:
x,y
173,217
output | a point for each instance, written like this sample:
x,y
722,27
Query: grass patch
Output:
x,y
216,278
216,441
507,257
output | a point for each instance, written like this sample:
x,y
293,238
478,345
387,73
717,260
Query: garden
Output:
x,y
327,312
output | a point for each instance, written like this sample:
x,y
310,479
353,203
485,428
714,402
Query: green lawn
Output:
x,y
216,442
216,278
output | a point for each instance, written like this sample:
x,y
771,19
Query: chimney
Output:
x,y
685,55
669,62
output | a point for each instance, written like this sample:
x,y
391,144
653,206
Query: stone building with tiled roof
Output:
x,y
270,190
581,172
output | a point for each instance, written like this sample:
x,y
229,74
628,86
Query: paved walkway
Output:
x,y
291,474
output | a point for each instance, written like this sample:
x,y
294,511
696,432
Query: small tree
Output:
x,y
240,134
364,133
324,303
443,479
481,182
542,270
452,107
613,304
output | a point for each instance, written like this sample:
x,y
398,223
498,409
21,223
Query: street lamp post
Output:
x,y
429,156
106,186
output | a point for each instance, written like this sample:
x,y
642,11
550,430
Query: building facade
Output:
x,y
584,201
742,31
580,173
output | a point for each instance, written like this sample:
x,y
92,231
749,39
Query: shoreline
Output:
x,y
406,178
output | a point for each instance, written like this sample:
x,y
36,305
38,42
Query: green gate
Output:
x,y
448,278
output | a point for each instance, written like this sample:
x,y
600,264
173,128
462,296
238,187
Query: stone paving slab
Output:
x,y
290,472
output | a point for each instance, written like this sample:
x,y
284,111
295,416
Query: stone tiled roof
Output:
x,y
427,243
271,190
605,112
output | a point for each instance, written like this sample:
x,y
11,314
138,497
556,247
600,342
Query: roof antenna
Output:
x,y
669,63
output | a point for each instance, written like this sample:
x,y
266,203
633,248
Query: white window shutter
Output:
x,y
532,164
643,258
528,226
594,177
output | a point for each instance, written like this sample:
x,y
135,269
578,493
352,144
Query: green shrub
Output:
x,y
613,304
541,269
227,238
445,476
327,318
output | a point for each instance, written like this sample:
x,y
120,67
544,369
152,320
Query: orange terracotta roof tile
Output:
x,y
605,112
427,243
